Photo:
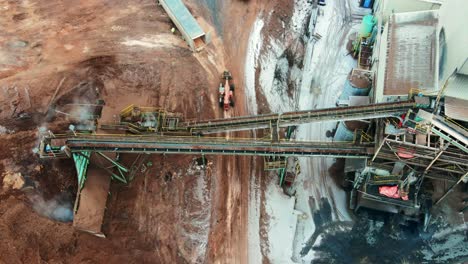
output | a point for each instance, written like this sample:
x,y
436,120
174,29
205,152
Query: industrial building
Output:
x,y
419,51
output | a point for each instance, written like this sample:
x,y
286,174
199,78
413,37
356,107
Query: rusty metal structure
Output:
x,y
411,152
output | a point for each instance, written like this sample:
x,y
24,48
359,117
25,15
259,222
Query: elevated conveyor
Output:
x,y
447,129
211,145
300,117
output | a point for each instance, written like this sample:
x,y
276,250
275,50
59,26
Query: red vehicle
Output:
x,y
226,91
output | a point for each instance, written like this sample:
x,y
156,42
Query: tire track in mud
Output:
x,y
238,182
228,237
234,204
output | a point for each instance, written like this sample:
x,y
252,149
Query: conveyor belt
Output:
x,y
300,117
212,145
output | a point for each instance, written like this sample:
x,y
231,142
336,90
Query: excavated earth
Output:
x,y
124,53
58,54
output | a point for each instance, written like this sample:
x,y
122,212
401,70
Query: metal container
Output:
x,y
367,3
343,133
356,85
368,22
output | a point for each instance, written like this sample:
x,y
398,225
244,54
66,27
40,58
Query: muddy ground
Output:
x,y
56,54
123,52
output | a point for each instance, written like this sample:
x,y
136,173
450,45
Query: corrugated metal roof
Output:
x,y
183,16
457,87
456,108
411,52
464,67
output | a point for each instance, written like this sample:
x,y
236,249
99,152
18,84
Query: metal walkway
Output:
x,y
442,161
299,117
447,129
208,145
456,135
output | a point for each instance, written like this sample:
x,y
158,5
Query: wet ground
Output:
x,y
376,237
123,53
327,232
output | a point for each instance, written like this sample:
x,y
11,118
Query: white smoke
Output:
x,y
55,209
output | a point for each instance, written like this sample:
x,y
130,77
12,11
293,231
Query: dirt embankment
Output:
x,y
123,53
58,53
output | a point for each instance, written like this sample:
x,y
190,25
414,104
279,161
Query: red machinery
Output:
x,y
226,92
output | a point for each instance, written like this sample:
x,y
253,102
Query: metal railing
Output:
x,y
214,145
300,117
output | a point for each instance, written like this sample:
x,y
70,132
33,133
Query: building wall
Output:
x,y
453,20
387,7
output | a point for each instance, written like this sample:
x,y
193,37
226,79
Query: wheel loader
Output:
x,y
226,91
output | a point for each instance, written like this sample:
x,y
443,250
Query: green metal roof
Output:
x,y
186,20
